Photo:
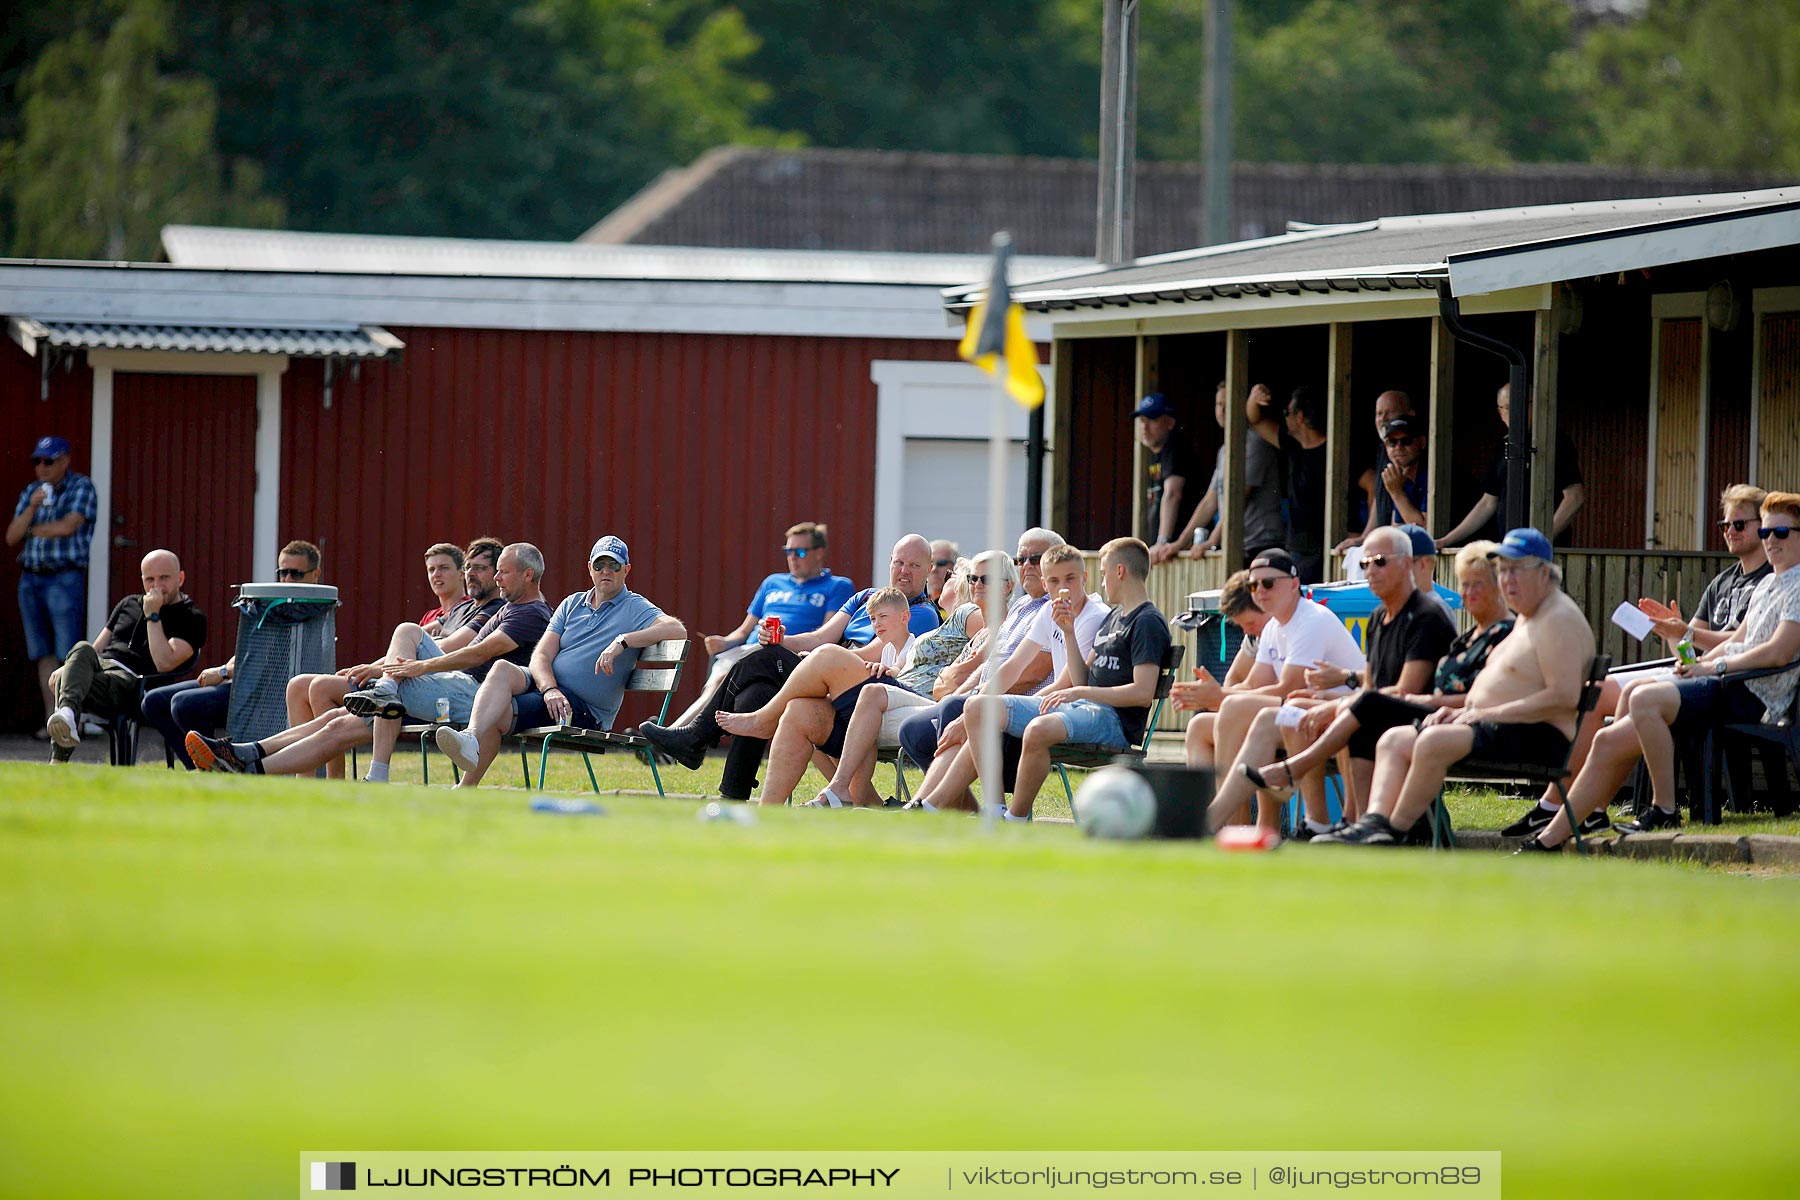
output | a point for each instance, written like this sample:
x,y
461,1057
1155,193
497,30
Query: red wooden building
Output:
x,y
376,395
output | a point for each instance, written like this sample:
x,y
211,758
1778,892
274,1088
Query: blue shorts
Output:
x,y
1086,722
530,712
421,695
1709,702
52,608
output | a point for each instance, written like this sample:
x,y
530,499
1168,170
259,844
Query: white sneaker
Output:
x,y
459,747
63,728
92,727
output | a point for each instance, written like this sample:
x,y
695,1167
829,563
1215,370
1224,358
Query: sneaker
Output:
x,y
459,747
1595,822
1372,830
64,728
92,727
1532,846
214,754
379,699
1535,818
1653,819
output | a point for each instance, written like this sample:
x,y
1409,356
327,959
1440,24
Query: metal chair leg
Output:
x,y
1068,791
1574,825
654,773
543,763
525,768
588,762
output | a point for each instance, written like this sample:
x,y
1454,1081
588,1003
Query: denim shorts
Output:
x,y
421,695
1085,721
52,608
1708,702
530,712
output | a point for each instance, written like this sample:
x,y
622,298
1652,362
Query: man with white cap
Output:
x,y
578,671
54,520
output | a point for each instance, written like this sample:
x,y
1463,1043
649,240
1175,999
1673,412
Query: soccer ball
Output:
x,y
1115,802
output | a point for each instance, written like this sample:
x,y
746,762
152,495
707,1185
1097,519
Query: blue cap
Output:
x,y
613,548
1524,543
1154,405
1422,545
51,447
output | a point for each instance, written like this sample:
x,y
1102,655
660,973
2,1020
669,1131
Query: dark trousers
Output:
x,y
186,707
919,736
751,683
87,685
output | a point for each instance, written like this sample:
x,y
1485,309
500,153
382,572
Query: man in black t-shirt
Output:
x,y
1488,518
154,633
1108,704
1167,467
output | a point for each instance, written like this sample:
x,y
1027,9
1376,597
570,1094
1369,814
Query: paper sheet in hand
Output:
x,y
1633,620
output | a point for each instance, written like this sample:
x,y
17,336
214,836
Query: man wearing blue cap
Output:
x,y
55,520
1167,467
578,670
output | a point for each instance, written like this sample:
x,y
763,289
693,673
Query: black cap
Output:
x,y
1277,559
1411,426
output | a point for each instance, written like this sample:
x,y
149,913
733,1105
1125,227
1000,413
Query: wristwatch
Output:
x,y
1352,679
154,618
1718,666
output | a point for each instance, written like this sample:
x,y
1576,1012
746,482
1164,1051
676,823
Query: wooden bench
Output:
x,y
658,672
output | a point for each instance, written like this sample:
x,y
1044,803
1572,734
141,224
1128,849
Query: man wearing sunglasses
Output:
x,y
803,596
202,703
54,520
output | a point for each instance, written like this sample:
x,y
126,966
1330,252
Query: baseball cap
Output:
x,y
1411,426
1523,543
1422,544
612,547
50,447
1154,405
1277,560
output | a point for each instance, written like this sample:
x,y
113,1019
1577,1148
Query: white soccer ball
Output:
x,y
1115,802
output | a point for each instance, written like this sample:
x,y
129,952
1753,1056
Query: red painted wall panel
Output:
x,y
699,450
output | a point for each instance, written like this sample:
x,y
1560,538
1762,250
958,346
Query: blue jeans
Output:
x,y
52,608
186,707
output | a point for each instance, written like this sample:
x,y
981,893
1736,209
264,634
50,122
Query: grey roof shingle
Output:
x,y
952,203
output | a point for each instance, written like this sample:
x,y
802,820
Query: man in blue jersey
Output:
x,y
753,681
803,596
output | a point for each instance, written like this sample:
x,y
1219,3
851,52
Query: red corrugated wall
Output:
x,y
1101,432
699,450
68,412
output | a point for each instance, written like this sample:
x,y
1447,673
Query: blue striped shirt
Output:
x,y
74,494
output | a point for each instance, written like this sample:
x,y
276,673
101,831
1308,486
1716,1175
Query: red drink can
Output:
x,y
1246,837
771,631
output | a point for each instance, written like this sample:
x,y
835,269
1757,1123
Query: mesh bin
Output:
x,y
284,630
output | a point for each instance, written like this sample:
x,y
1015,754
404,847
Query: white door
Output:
x,y
946,493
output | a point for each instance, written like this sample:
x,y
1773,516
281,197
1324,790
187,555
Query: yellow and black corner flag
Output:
x,y
997,330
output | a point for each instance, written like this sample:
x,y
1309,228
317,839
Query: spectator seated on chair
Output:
x,y
578,670
1661,713
753,680
201,705
1407,637
803,597
1521,708
1103,700
418,671
877,706
156,633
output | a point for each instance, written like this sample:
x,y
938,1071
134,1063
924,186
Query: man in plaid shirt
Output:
x,y
54,520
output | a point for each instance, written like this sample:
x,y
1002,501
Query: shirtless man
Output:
x,y
1521,707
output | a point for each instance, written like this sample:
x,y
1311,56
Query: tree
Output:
x,y
109,149
1696,83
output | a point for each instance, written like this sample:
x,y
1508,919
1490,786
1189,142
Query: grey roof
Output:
x,y
737,196
1391,253
286,250
365,341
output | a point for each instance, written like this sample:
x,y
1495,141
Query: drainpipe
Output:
x,y
1518,446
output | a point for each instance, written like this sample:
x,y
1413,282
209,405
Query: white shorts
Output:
x,y
899,701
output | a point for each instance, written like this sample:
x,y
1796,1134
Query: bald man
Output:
x,y
755,679
154,633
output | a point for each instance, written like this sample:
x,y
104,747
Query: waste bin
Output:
x,y
284,630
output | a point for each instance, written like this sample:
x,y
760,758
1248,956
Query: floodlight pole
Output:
x,y
1215,121
1118,133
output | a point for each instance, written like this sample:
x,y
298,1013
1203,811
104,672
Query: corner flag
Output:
x,y
997,329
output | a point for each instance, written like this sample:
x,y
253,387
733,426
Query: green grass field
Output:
x,y
201,976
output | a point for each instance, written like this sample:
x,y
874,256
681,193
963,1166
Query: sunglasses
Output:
x,y
1270,582
608,565
1028,560
1778,532
796,551
44,462
1737,526
289,573
1398,441
1377,560
979,578
943,562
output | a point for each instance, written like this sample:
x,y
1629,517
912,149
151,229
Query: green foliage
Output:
x,y
109,149
1696,83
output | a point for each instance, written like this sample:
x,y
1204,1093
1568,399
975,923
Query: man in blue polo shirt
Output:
x,y
752,682
803,596
55,520
578,669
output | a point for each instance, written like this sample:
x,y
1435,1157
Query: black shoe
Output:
x,y
1372,830
375,702
683,745
1595,822
1532,846
1653,819
1538,817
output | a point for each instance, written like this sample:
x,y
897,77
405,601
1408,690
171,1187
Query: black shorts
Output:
x,y
1537,743
843,708
1376,713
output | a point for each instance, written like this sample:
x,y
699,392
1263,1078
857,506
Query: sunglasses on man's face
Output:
x,y
289,573
1737,526
943,562
1377,560
795,551
1267,583
1778,532
44,462
1400,440
1028,560
607,565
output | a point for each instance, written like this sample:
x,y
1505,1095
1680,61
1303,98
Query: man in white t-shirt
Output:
x,y
1300,635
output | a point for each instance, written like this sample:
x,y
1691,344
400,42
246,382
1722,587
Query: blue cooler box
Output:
x,y
1354,604
1216,640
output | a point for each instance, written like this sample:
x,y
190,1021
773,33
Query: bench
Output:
x,y
1783,737
1084,756
658,672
